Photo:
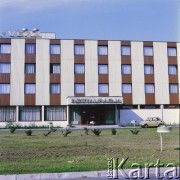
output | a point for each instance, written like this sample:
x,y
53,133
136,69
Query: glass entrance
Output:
x,y
99,114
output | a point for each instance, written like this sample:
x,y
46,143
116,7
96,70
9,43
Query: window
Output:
x,y
126,69
125,50
55,49
126,88
173,88
4,88
30,88
171,51
29,113
79,49
148,51
5,68
7,113
79,88
148,69
103,88
103,69
55,88
102,50
172,69
30,68
79,69
30,48
5,48
149,88
55,68
56,113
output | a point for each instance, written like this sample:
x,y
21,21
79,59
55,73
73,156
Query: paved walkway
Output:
x,y
92,175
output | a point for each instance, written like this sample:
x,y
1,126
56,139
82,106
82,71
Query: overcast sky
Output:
x,y
156,20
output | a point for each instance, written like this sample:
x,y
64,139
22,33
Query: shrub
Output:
x,y
113,131
134,131
66,132
48,133
12,129
96,132
86,131
28,132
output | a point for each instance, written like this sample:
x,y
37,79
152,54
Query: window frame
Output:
x,y
99,51
122,70
78,46
145,53
177,87
26,64
75,85
6,44
54,84
51,49
168,54
79,64
26,48
145,88
9,88
148,65
122,50
100,84
99,66
126,84
25,85
51,68
9,68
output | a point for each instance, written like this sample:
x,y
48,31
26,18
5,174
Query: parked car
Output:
x,y
152,122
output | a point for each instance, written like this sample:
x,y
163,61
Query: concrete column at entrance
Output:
x,y
42,114
17,113
117,120
67,112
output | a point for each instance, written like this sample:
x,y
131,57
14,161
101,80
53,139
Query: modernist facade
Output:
x,y
43,79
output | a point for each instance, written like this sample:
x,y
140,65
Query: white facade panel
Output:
x,y
137,62
91,68
42,72
114,59
17,72
170,116
67,70
161,73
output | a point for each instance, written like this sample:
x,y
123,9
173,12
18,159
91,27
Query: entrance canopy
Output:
x,y
94,100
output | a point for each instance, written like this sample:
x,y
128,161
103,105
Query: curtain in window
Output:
x,y
55,113
30,89
56,69
5,68
30,68
171,51
172,70
30,114
7,113
148,51
102,50
148,69
103,69
126,69
126,88
5,48
149,88
55,88
125,50
4,88
79,88
54,49
103,88
173,88
79,69
30,48
79,49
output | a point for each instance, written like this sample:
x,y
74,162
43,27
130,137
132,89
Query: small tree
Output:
x,y
96,132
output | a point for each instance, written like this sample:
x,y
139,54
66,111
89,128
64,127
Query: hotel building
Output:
x,y
44,79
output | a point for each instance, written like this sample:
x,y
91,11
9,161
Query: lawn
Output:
x,y
20,153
